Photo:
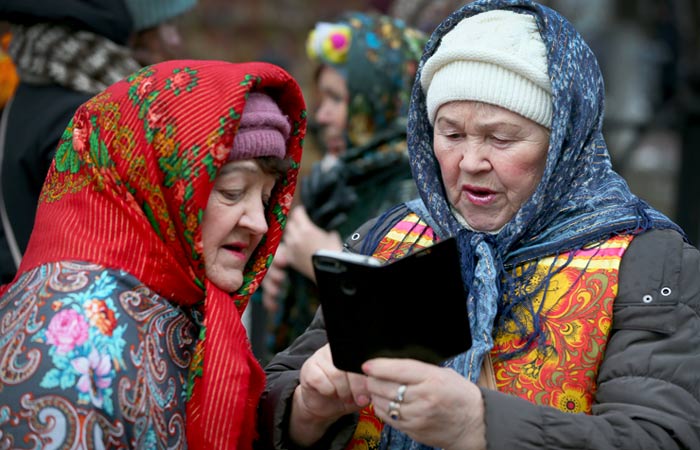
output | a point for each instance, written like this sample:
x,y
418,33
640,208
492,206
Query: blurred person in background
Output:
x,y
65,52
366,65
8,84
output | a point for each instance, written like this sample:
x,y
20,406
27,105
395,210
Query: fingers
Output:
x,y
319,374
396,403
319,400
301,232
303,238
397,387
436,407
401,371
388,390
346,385
297,222
358,387
299,215
281,260
270,296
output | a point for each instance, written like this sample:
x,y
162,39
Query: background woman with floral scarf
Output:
x,y
584,302
366,66
158,219
65,52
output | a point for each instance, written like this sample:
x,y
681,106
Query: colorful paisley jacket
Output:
x,y
607,377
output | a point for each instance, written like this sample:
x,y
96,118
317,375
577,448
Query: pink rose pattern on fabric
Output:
x,y
66,330
93,354
86,344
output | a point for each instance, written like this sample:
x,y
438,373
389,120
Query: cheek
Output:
x,y
339,116
208,233
217,223
522,178
449,167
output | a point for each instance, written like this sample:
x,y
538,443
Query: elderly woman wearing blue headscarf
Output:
x,y
584,301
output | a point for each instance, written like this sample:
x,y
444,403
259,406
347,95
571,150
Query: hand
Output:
x,y
324,395
274,280
303,238
440,408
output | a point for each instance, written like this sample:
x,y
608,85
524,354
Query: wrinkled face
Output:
x,y
491,160
332,112
161,42
234,221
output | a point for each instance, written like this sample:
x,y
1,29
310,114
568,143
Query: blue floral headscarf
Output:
x,y
579,200
378,56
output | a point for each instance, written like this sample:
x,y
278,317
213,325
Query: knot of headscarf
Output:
x,y
482,299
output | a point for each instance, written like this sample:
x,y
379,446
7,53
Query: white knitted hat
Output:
x,y
495,57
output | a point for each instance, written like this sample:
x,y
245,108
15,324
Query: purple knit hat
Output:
x,y
263,130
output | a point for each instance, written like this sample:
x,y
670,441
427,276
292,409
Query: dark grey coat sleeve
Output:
x,y
282,378
649,382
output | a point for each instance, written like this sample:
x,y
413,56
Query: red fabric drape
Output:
x,y
127,189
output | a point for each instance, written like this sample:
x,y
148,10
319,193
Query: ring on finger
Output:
x,y
400,392
394,410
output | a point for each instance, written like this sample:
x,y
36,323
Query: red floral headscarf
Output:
x,y
128,188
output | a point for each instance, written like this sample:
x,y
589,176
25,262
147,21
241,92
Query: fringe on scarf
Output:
x,y
82,61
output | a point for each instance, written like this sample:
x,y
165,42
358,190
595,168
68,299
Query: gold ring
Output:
x,y
394,410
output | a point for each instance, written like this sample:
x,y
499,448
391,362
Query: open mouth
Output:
x,y
480,191
479,196
238,248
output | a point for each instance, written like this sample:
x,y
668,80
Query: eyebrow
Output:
x,y
484,126
248,167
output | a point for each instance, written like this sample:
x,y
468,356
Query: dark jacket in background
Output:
x,y
39,113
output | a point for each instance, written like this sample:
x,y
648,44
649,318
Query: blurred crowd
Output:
x,y
653,106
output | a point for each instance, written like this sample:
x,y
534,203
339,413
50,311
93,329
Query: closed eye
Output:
x,y
452,135
232,196
499,141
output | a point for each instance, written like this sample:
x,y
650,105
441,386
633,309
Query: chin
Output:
x,y
485,226
233,288
488,228
229,284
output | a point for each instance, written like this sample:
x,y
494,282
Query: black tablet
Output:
x,y
413,307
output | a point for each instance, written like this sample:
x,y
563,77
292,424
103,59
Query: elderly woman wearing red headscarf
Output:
x,y
159,217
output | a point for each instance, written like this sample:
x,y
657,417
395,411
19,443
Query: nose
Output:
x,y
475,157
254,218
324,113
